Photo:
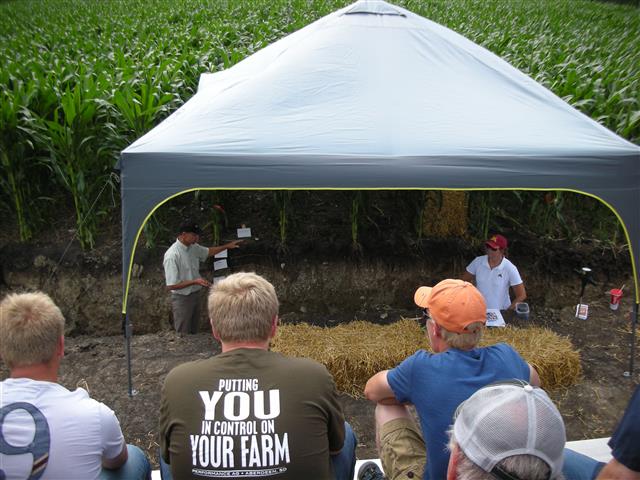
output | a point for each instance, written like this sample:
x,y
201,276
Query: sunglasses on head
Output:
x,y
425,315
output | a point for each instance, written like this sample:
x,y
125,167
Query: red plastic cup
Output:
x,y
616,295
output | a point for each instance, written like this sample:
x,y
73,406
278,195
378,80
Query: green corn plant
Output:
x,y
282,200
418,203
210,202
218,220
141,102
75,153
153,229
357,210
20,135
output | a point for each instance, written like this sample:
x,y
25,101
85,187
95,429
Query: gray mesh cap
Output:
x,y
507,419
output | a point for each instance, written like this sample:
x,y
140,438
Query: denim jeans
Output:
x,y
136,468
343,463
580,467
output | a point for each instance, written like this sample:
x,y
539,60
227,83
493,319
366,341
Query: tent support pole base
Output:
x,y
632,353
127,336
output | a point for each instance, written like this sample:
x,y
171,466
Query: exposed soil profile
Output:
x,y
320,280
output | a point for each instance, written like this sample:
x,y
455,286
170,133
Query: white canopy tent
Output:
x,y
373,96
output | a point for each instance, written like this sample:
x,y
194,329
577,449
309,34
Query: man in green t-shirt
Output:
x,y
249,411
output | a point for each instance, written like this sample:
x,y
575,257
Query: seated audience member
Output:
x,y
47,431
248,411
436,383
625,463
507,431
493,274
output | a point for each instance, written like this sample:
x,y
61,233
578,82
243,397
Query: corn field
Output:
x,y
81,79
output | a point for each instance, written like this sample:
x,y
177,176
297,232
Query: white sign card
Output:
x,y
223,254
244,232
220,264
494,318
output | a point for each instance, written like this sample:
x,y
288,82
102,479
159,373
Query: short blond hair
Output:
x,y
30,326
463,341
242,308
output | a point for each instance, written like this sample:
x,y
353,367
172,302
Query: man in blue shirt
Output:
x,y
624,444
436,383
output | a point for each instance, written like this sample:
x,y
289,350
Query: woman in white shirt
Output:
x,y
493,274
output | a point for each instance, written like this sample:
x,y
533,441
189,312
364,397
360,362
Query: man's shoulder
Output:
x,y
479,261
504,351
29,388
190,368
508,264
52,397
172,250
499,347
301,363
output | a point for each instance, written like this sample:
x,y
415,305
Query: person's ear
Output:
x,y
60,346
215,333
274,326
452,470
436,330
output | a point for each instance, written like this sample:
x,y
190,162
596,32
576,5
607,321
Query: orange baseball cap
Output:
x,y
453,304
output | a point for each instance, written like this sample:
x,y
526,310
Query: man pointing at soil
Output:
x,y
182,275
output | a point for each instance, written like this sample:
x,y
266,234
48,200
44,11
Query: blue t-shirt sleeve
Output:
x,y
517,363
624,441
400,378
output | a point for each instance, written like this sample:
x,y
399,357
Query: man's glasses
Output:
x,y
491,248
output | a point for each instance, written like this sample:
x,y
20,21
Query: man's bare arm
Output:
x,y
616,470
188,283
469,277
520,295
378,390
534,378
118,461
226,246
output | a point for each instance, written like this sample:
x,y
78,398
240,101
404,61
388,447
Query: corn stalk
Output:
x,y
76,152
20,166
282,200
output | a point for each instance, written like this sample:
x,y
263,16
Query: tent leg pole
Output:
x,y
634,323
127,336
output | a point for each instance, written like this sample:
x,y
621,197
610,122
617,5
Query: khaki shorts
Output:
x,y
403,453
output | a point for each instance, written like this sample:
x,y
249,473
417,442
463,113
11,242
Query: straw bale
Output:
x,y
445,214
355,351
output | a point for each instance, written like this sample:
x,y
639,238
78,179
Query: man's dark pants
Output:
x,y
186,311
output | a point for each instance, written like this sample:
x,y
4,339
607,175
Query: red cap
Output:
x,y
453,304
497,241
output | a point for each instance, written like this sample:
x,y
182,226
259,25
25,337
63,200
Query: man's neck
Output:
x,y
228,346
43,372
495,262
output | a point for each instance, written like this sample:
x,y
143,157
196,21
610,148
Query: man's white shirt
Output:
x,y
494,283
183,263
47,426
